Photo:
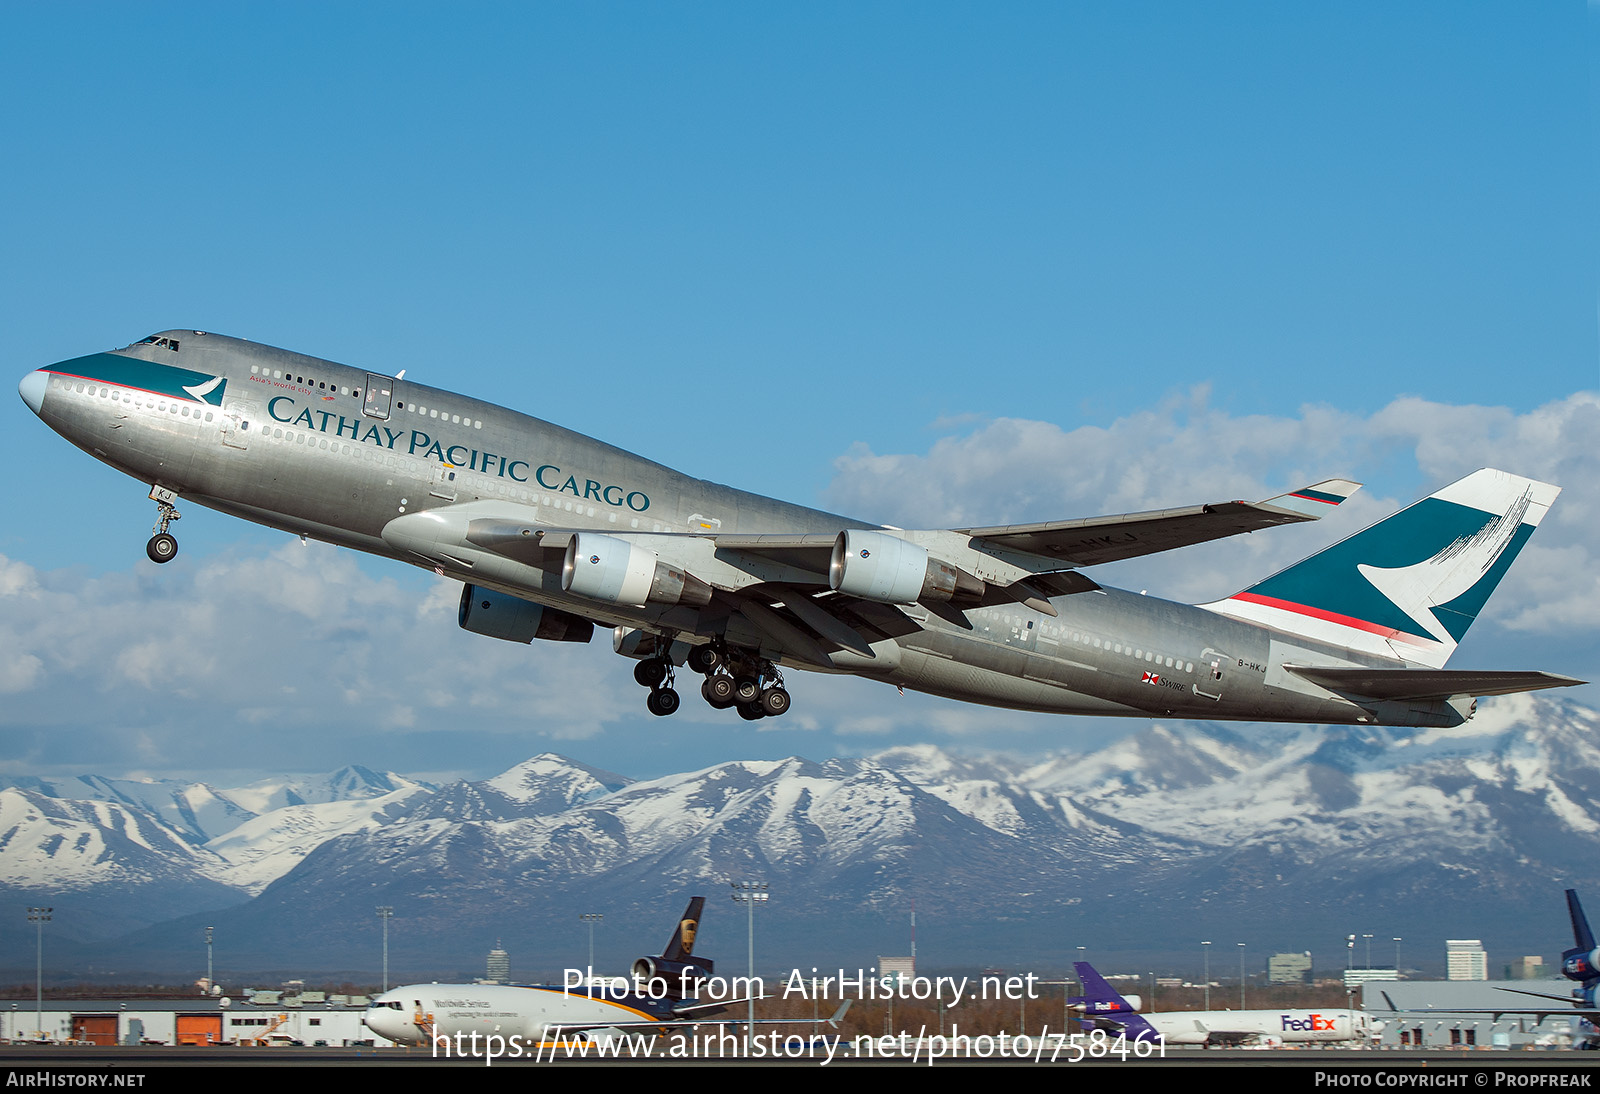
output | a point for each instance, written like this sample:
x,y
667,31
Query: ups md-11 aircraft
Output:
x,y
552,532
661,994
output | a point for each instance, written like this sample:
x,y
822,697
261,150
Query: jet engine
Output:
x,y
1580,965
619,572
888,569
484,611
682,978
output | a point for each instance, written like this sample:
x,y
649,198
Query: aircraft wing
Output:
x,y
1537,1013
1093,540
780,588
1412,685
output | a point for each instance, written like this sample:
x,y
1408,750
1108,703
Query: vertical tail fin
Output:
x,y
1408,587
1582,936
1101,1003
681,945
1582,962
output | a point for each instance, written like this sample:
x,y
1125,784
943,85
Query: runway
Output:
x,y
128,1060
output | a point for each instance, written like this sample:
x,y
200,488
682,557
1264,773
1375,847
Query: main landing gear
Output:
x,y
163,547
733,678
736,678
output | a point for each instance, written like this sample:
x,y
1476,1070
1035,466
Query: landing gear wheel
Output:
x,y
746,689
650,673
162,547
704,659
662,702
774,701
718,690
750,712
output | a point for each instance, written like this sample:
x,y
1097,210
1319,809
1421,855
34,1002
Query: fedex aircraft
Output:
x,y
1102,1007
551,532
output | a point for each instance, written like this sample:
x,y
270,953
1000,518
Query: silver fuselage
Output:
x,y
290,444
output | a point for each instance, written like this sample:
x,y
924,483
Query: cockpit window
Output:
x,y
157,340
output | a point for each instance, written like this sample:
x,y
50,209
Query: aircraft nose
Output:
x,y
374,1020
33,387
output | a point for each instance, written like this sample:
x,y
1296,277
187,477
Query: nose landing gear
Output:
x,y
162,546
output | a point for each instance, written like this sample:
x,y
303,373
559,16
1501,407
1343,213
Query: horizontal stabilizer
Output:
x,y
1411,685
1094,540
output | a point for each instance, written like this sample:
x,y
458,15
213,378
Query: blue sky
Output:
x,y
919,262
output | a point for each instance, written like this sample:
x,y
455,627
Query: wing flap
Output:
x,y
1093,540
1411,685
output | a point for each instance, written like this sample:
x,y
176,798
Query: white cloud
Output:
x,y
1183,451
269,659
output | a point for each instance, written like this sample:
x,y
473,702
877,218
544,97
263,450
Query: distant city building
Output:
x,y
1529,968
1356,977
895,970
1289,968
499,966
1465,959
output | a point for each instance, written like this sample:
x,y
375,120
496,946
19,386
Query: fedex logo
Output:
x,y
1311,1023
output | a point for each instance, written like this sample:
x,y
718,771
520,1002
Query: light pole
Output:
x,y
1368,937
385,913
1397,942
591,918
39,916
1205,948
1349,963
750,893
1241,976
209,981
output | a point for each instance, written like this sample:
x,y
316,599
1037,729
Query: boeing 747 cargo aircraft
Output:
x,y
551,532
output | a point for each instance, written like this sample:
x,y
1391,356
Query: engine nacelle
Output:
x,y
681,978
888,569
1581,964
619,572
484,611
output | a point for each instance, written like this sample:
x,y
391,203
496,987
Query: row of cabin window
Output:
x,y
1115,647
279,374
116,394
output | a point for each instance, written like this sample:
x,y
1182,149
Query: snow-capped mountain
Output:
x,y
1290,837
105,867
